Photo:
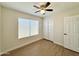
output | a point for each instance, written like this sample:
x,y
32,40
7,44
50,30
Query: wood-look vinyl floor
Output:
x,y
42,48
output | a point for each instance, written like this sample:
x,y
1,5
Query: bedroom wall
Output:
x,y
0,29
58,24
10,29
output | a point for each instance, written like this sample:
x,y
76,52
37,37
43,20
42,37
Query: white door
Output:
x,y
50,25
71,33
46,28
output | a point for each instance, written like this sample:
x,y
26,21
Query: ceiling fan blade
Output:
x,y
47,4
36,6
37,11
49,9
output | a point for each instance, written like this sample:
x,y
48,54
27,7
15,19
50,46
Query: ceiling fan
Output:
x,y
43,8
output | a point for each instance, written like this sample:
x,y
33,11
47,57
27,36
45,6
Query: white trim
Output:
x,y
61,44
1,53
5,52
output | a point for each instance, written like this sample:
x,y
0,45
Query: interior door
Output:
x,y
50,25
71,33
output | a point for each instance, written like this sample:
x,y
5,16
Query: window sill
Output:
x,y
28,37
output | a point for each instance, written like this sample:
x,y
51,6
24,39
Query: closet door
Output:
x,y
50,25
46,28
71,33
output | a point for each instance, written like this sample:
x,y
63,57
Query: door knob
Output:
x,y
65,33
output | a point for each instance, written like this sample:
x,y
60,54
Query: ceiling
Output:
x,y
27,7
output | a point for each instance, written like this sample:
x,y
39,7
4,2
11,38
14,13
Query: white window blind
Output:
x,y
27,27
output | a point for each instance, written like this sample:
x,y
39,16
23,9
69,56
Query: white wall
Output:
x,y
0,29
58,24
10,29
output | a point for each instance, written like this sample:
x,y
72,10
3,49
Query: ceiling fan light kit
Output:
x,y
43,8
42,12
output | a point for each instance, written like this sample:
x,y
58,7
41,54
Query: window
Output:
x,y
27,27
34,27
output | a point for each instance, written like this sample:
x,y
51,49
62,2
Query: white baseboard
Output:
x,y
55,42
5,52
59,43
1,53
